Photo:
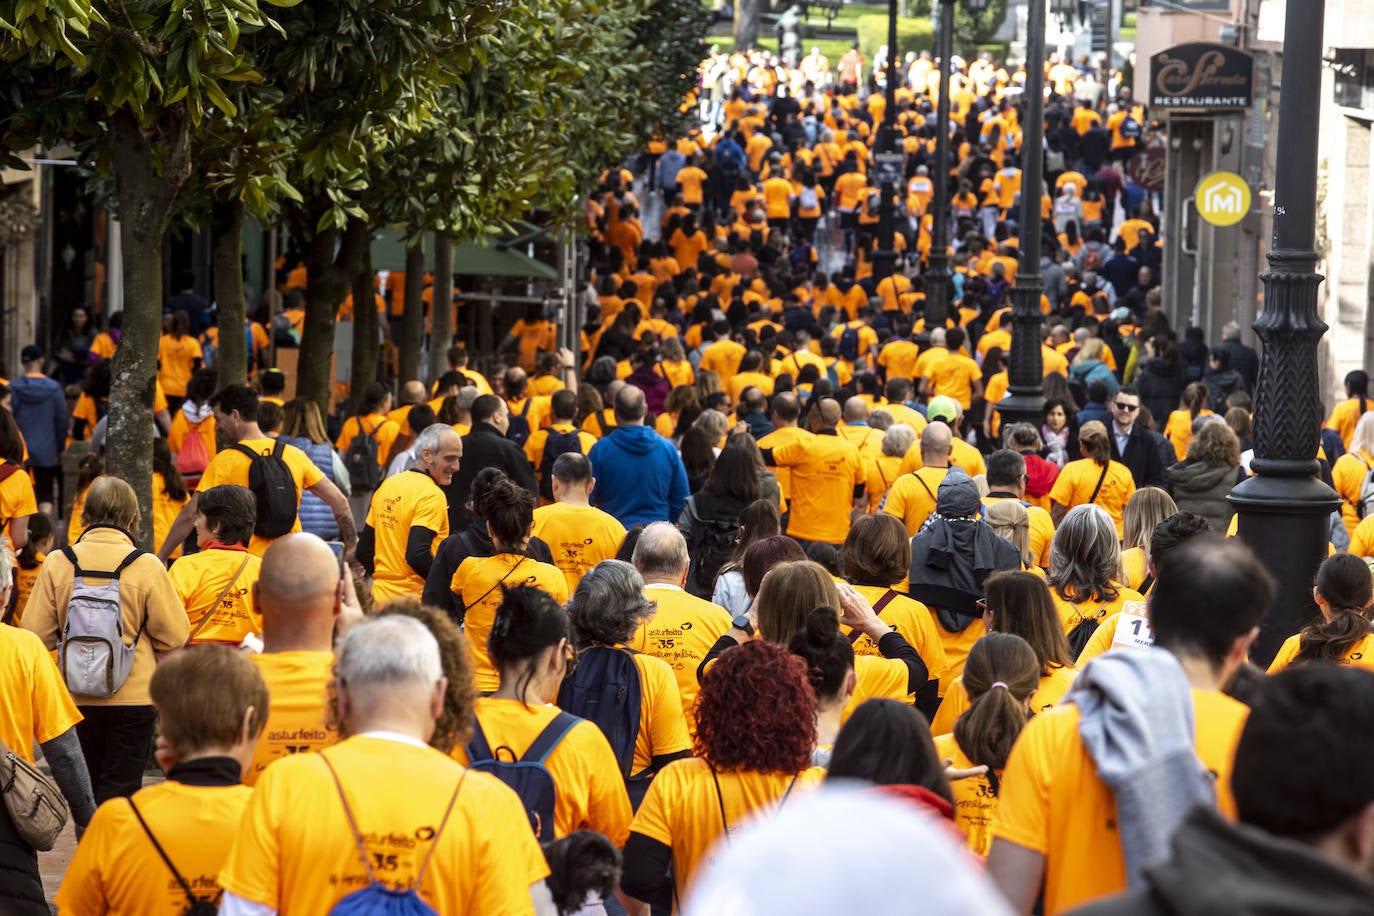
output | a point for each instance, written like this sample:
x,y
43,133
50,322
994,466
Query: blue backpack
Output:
x,y
528,775
849,343
377,899
604,688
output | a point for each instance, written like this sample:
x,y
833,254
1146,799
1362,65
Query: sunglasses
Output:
x,y
1129,408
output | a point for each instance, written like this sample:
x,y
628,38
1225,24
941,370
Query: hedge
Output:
x,y
915,35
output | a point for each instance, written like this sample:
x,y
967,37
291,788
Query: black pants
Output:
x,y
116,740
47,485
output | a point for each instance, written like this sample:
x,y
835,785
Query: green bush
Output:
x,y
915,35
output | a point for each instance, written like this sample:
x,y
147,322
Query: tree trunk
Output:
x,y
145,185
332,259
441,327
365,343
412,334
226,227
746,24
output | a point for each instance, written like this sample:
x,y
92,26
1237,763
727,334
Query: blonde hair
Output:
x,y
301,420
1146,508
111,501
1010,520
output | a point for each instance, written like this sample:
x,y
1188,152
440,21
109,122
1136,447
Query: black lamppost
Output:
x,y
1024,401
938,287
888,159
1284,511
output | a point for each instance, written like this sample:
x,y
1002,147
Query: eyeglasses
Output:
x,y
1129,408
570,660
982,605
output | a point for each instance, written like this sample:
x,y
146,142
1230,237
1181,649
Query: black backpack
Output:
x,y
1130,128
270,479
849,343
713,540
1082,633
604,688
556,444
519,429
364,473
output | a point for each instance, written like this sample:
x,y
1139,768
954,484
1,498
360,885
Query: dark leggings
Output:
x,y
116,741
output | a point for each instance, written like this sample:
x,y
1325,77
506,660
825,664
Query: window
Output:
x,y
1354,72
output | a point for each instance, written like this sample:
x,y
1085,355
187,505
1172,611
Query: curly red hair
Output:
x,y
756,711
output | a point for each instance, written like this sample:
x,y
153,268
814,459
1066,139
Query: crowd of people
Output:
x,y
754,594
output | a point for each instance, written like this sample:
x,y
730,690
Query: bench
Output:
x,y
831,8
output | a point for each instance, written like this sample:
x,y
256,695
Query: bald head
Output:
x,y
298,594
855,410
829,411
936,442
937,337
413,393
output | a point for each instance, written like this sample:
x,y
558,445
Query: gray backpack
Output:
x,y
92,655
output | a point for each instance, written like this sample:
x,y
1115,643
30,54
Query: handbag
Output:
x,y
33,801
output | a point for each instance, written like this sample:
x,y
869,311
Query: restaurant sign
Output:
x,y
1202,76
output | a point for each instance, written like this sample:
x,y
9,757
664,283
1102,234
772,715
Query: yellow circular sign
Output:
x,y
1223,198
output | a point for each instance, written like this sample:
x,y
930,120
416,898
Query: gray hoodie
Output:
x,y
1136,722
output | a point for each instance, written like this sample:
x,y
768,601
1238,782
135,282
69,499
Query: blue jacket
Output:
x,y
315,515
40,409
639,476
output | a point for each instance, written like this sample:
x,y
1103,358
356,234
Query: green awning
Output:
x,y
483,258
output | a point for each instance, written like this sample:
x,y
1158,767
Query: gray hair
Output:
x,y
1024,435
880,419
609,604
6,571
429,437
388,650
714,423
1229,330
898,439
662,550
1203,419
1085,555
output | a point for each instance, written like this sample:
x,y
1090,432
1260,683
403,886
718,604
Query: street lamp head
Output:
x,y
975,6
1063,7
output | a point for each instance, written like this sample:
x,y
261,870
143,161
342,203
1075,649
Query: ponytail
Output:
x,y
40,527
1344,583
1000,675
1195,398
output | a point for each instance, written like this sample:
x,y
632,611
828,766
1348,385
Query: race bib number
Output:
x,y
1133,628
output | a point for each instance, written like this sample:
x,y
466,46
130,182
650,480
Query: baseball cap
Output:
x,y
942,407
31,354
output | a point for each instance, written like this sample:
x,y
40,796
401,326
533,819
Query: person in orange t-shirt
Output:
x,y
1057,810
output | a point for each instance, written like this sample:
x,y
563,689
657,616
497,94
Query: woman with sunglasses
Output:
x,y
531,646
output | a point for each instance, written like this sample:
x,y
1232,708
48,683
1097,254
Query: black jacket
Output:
x,y
1141,456
1218,867
1159,386
1243,360
472,541
485,447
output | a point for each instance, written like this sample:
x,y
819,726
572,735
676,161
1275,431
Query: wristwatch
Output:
x,y
742,623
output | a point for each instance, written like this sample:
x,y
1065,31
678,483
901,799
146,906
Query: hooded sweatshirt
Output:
x,y
640,477
1136,722
954,552
40,409
1202,488
1221,869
